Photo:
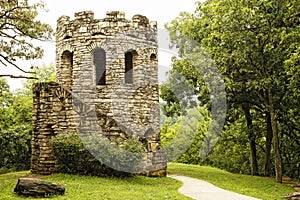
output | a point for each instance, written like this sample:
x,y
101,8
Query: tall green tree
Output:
x,y
6,99
15,129
16,120
290,115
19,28
249,41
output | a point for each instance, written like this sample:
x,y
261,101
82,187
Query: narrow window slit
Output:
x,y
100,64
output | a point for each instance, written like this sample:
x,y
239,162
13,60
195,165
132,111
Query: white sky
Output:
x,y
162,11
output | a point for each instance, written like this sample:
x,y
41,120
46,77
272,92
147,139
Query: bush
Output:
x,y
15,151
74,158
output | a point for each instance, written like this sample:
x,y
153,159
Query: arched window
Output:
x,y
100,64
130,63
67,67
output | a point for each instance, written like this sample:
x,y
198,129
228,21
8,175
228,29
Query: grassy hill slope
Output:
x,y
259,187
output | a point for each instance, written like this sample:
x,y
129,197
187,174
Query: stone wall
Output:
x,y
123,107
52,115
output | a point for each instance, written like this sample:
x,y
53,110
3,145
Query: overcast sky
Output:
x,y
162,11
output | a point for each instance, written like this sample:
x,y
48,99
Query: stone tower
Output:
x,y
111,66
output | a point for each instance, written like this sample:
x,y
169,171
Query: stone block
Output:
x,y
31,187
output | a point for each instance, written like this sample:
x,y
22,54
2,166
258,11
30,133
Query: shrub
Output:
x,y
15,146
74,158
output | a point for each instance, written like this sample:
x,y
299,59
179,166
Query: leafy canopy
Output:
x,y
19,32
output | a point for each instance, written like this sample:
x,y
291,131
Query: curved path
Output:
x,y
201,190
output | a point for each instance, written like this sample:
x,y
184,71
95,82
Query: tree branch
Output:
x,y
13,64
14,76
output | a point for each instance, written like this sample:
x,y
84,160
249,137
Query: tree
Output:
x,y
15,108
230,153
40,74
187,138
16,120
19,28
182,26
6,98
290,115
15,129
249,42
184,89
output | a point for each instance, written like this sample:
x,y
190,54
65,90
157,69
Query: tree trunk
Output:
x,y
273,115
251,137
269,137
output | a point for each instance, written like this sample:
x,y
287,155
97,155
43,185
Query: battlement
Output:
x,y
114,23
115,16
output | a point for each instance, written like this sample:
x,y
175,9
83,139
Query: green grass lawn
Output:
x,y
259,187
140,187
95,188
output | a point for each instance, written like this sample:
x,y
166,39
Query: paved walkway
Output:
x,y
201,190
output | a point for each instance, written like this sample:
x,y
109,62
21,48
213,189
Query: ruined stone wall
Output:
x,y
122,107
52,115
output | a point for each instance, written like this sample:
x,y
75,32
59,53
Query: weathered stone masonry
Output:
x,y
110,65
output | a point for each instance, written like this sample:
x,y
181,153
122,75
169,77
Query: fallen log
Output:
x,y
32,187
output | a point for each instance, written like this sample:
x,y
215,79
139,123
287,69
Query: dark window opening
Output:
x,y
128,67
67,37
152,57
67,58
67,66
97,33
100,64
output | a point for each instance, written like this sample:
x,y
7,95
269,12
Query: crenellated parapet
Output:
x,y
114,23
78,38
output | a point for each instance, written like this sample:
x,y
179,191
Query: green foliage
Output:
x,y
16,108
6,99
187,84
74,158
19,27
20,109
291,117
15,129
255,46
45,73
188,138
133,144
15,151
290,156
230,152
16,120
